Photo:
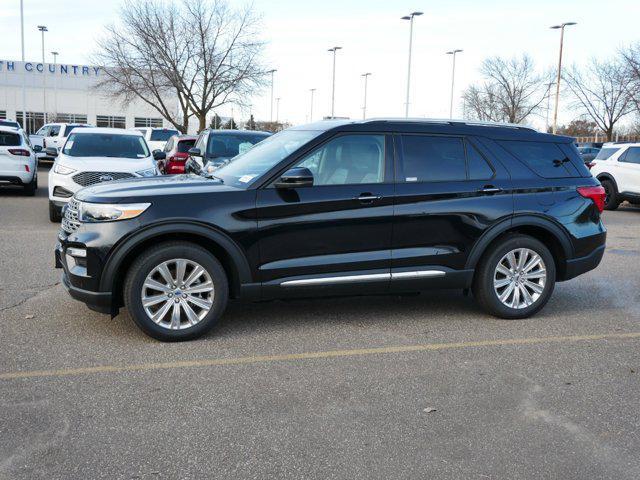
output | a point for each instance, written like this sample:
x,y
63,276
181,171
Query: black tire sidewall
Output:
x,y
54,214
612,202
483,284
152,258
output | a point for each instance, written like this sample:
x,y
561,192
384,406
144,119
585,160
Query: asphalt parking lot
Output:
x,y
386,387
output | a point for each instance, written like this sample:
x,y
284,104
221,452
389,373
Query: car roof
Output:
x,y
184,136
502,131
113,131
241,132
621,144
5,128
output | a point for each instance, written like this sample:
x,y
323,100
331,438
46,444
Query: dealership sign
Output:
x,y
38,67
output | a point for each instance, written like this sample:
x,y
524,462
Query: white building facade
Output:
x,y
65,93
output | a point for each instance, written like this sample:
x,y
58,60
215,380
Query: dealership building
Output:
x,y
66,93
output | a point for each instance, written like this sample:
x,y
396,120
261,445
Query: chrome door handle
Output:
x,y
365,197
489,190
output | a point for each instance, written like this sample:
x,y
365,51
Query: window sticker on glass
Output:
x,y
243,147
246,178
140,155
411,179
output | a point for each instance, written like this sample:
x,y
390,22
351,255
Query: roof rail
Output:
x,y
441,121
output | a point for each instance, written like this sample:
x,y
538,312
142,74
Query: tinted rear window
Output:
x,y
8,139
71,127
7,123
105,145
606,153
185,145
230,145
162,135
546,159
432,159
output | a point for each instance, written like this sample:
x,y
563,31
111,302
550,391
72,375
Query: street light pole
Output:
x,y
333,82
55,82
43,29
271,101
555,111
410,18
364,106
312,90
24,95
549,85
453,78
278,110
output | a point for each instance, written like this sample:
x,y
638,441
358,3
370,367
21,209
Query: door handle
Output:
x,y
368,197
489,190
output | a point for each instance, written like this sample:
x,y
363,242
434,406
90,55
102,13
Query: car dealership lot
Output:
x,y
382,387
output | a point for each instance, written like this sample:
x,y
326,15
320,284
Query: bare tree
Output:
x,y
512,90
182,58
602,91
631,58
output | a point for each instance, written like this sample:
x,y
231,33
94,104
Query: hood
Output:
x,y
137,189
106,164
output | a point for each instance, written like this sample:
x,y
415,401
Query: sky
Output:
x,y
373,39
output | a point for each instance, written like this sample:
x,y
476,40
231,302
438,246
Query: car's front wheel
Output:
x,y
515,278
176,291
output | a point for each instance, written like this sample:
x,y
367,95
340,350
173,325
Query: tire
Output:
x,y
30,188
55,214
612,200
186,328
486,292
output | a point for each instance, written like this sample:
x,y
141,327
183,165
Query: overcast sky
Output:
x,y
374,39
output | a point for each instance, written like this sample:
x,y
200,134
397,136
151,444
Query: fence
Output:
x,y
602,138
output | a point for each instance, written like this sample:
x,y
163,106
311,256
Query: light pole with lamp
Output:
x,y
364,106
453,78
410,18
278,110
24,95
55,82
555,110
312,90
43,29
333,82
271,102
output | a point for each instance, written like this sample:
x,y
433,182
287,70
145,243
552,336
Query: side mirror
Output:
x,y
51,151
191,166
195,152
159,155
37,148
295,178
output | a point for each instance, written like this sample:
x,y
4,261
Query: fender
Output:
x,y
155,230
608,176
529,220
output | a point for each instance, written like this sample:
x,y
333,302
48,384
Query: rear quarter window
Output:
x,y
8,139
547,160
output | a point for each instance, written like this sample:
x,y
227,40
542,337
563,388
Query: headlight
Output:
x,y
149,172
62,170
104,212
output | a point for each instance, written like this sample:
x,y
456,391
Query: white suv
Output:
x,y
157,137
18,162
94,155
617,166
53,135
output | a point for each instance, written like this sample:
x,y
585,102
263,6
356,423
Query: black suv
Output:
x,y
340,208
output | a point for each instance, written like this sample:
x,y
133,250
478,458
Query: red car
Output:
x,y
176,150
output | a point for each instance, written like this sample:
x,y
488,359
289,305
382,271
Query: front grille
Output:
x,y
70,222
90,178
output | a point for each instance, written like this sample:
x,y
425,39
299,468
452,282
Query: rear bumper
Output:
x,y
13,180
578,266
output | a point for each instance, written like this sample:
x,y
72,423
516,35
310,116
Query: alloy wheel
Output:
x,y
177,294
519,278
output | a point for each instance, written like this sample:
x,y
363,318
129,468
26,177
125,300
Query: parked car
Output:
x,y
6,122
617,166
157,137
53,135
335,208
95,155
588,154
18,161
214,148
176,154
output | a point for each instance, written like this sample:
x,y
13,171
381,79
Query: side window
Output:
x,y
478,167
54,130
347,160
432,159
200,143
44,131
632,155
545,159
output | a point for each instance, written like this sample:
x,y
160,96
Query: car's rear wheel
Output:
x,y
611,200
515,278
176,291
55,215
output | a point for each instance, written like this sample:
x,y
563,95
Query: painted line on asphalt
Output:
x,y
213,362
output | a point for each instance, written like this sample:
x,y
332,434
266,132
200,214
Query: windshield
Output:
x,y
606,153
230,145
105,145
246,167
162,135
185,145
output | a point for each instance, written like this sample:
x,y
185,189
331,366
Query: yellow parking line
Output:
x,y
311,355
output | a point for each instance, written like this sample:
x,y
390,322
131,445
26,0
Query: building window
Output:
x,y
148,122
68,118
110,121
3,114
35,121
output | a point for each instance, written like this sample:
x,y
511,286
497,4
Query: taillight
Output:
x,y
596,194
26,168
20,152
